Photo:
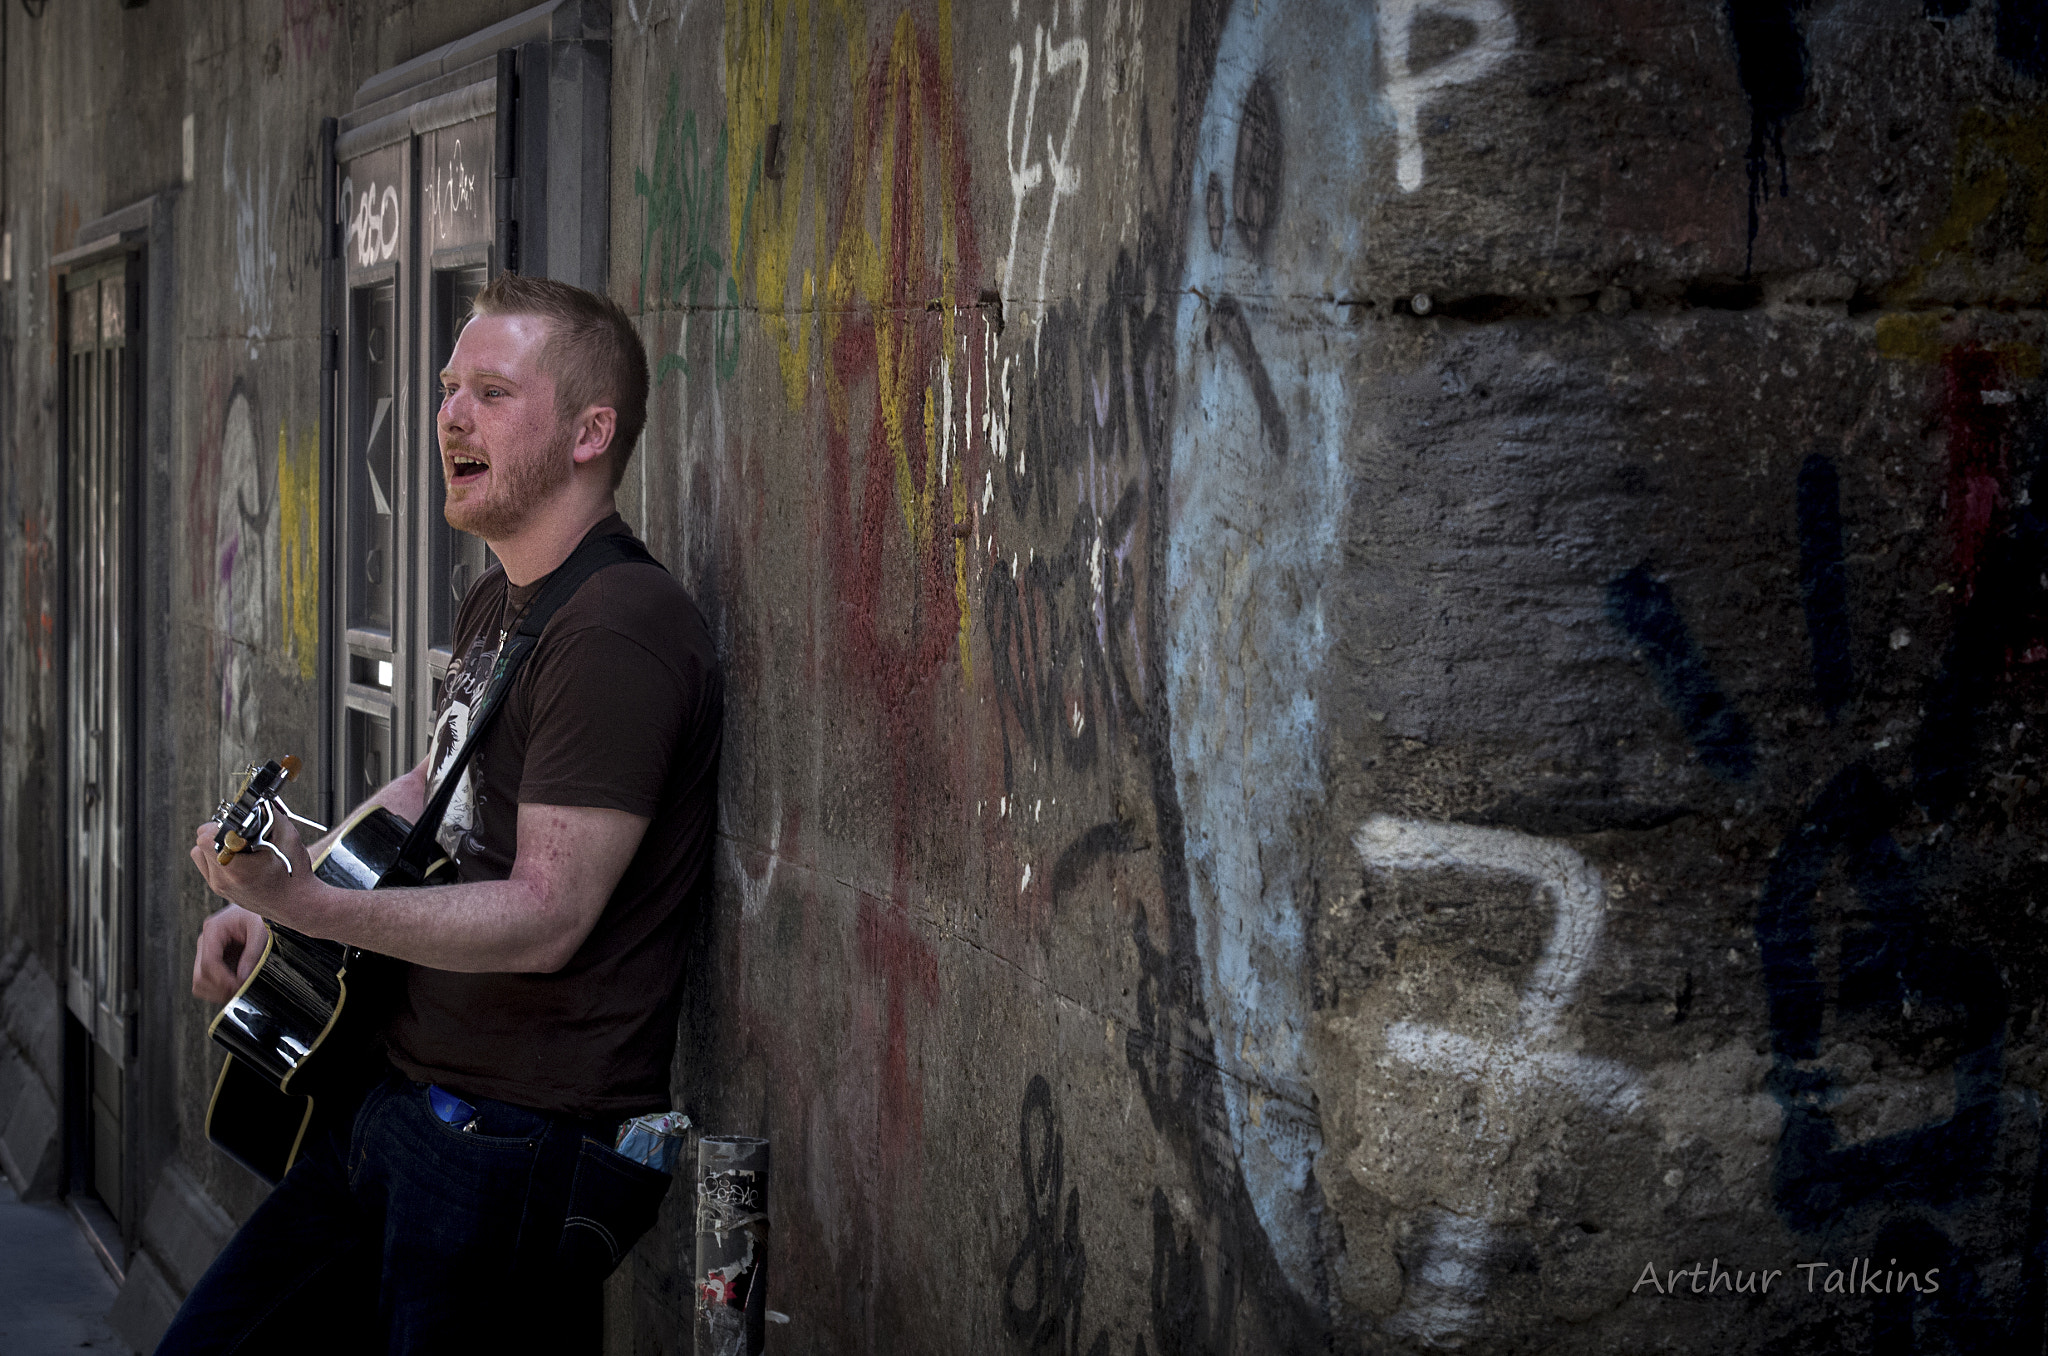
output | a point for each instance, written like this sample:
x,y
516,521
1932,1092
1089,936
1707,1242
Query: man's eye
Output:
x,y
493,391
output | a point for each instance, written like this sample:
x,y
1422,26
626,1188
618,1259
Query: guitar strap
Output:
x,y
591,555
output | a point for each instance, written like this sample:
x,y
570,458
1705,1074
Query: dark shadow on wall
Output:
x,y
1862,939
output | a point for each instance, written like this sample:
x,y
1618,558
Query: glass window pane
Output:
x,y
372,464
366,762
455,559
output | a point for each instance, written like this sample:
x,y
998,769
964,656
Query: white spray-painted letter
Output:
x,y
1493,38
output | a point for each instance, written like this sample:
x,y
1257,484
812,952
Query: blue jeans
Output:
x,y
397,1231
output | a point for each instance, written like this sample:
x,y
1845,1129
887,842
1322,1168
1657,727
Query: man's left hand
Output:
x,y
256,879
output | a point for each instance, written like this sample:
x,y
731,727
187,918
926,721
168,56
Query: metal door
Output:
x,y
377,217
417,244
99,574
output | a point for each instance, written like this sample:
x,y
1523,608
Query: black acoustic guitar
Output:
x,y
304,1023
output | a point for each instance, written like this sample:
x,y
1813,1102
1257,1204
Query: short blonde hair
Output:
x,y
592,349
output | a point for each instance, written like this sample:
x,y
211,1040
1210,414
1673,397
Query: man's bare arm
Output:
x,y
570,860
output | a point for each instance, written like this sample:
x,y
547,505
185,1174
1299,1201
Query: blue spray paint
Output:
x,y
1254,495
1823,584
1646,612
1851,956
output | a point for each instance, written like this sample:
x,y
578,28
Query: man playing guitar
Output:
x,y
540,997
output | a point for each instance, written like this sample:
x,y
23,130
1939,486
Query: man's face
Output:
x,y
504,450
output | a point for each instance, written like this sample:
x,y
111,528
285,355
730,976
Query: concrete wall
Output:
x,y
1385,658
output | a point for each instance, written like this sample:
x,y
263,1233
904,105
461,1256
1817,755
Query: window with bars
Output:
x,y
99,442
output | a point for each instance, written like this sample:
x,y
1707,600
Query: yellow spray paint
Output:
x,y
781,60
766,220
2000,175
2001,167
298,546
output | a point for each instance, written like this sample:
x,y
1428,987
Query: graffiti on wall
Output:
x,y
821,224
1774,67
1771,62
310,27
1857,920
781,72
1133,519
1254,497
1060,616
252,200
1851,951
245,554
1643,608
1412,83
1046,1285
886,344
298,544
262,568
1536,1060
679,254
274,219
1096,591
374,221
974,495
1058,70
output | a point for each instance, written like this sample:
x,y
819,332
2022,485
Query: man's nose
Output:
x,y
454,408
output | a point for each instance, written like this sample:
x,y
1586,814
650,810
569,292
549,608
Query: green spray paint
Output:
x,y
678,251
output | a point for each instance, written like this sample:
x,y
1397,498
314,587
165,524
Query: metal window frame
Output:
x,y
346,694
545,76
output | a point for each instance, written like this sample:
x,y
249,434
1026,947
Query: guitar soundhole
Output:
x,y
373,565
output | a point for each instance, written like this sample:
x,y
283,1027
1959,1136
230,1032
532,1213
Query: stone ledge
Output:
x,y
29,1015
28,1130
145,1306
183,1228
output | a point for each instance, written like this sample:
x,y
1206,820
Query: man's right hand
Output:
x,y
230,944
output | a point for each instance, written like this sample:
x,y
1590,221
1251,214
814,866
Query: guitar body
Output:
x,y
304,1023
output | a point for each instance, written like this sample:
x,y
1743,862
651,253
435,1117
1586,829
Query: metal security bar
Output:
x,y
99,461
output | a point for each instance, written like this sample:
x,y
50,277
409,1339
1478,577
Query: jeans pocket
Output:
x,y
612,1201
491,1124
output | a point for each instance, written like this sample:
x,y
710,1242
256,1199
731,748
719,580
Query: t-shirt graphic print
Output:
x,y
462,694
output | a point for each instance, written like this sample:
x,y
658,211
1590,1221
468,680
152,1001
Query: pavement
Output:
x,y
54,1294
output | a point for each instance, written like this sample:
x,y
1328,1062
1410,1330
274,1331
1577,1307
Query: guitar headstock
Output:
x,y
245,821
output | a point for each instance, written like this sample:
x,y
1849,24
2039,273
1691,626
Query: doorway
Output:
x,y
100,491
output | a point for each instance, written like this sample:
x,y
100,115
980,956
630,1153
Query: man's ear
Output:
x,y
594,430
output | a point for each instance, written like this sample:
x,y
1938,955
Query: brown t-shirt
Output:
x,y
619,706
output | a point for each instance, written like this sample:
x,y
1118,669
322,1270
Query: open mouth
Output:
x,y
464,469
